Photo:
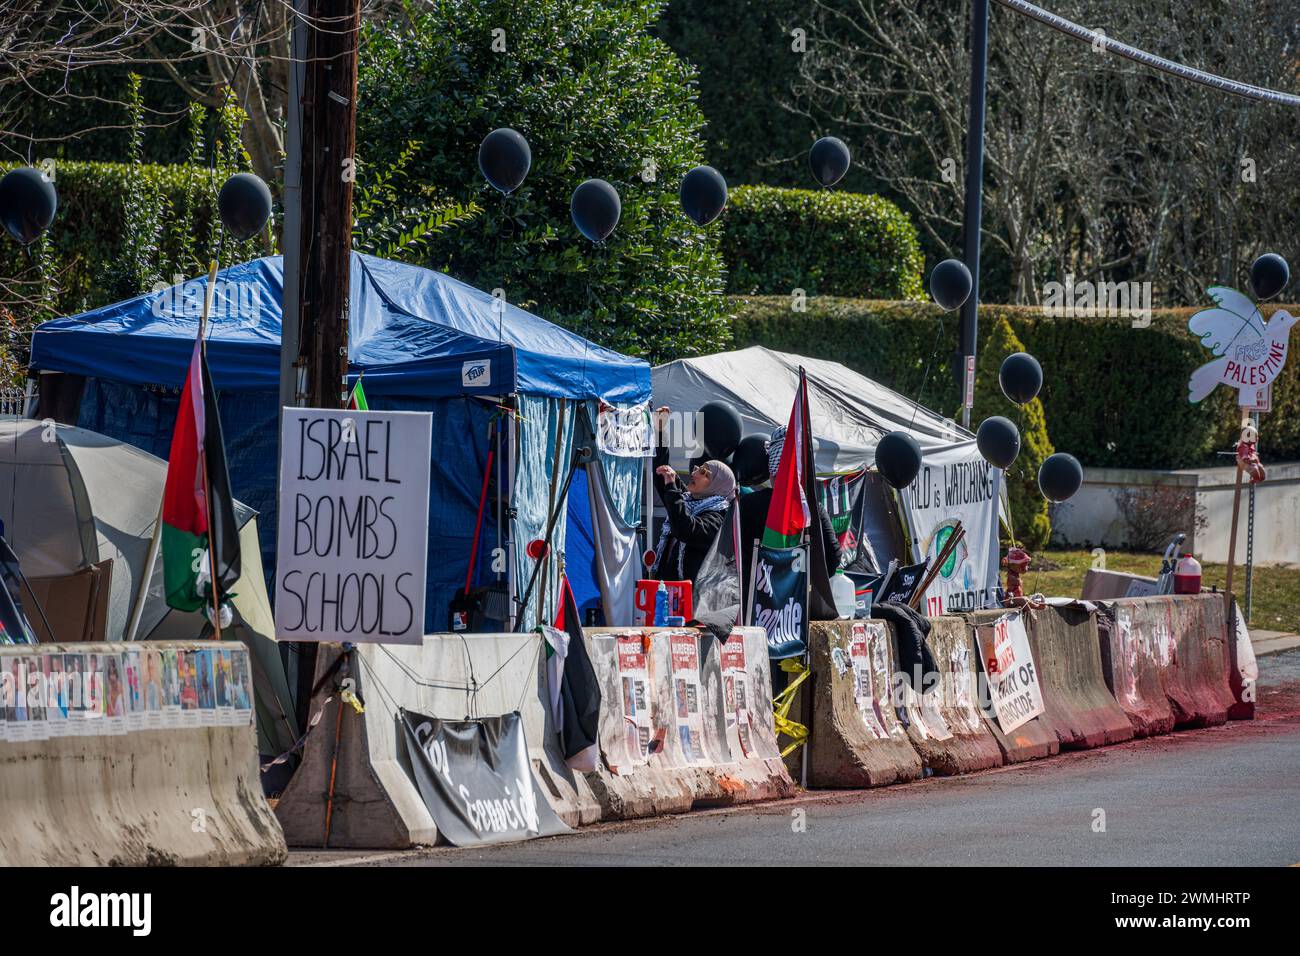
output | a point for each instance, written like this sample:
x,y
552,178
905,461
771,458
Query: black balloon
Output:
x,y
1060,476
898,459
998,440
829,158
504,159
703,194
1269,275
950,284
749,462
595,208
27,203
721,429
1021,377
245,205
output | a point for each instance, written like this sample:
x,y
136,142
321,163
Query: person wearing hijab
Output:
x,y
696,511
753,517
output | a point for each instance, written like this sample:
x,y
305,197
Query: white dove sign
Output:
x,y
1251,352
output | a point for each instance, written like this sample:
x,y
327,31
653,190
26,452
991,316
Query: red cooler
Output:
x,y
679,601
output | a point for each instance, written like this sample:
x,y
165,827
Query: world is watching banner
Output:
x,y
956,484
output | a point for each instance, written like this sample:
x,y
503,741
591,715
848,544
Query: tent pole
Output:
x,y
137,611
555,475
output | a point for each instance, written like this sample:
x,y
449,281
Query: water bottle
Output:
x,y
661,605
846,603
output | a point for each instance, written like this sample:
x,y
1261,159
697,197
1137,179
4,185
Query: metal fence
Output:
x,y
16,401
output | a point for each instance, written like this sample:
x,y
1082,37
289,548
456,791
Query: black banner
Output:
x,y
475,778
902,585
781,599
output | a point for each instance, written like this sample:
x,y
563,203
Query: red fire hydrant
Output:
x,y
1017,563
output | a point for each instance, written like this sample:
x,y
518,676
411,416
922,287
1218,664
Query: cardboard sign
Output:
x,y
1012,675
353,526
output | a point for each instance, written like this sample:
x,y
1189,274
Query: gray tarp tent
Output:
x,y
73,498
849,412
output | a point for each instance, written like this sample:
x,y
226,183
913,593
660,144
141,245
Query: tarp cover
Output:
x,y
849,412
411,330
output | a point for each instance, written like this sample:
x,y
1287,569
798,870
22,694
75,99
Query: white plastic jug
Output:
x,y
842,591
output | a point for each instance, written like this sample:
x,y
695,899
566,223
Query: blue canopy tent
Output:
x,y
423,341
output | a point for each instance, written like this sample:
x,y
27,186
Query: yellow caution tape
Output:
x,y
796,731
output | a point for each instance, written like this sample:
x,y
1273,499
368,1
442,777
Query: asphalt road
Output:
x,y
1219,797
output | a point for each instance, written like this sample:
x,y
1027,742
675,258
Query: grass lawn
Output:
x,y
1276,589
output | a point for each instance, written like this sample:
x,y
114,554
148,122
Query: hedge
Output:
x,y
825,242
87,238
1114,396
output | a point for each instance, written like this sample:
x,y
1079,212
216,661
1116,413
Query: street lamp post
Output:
x,y
979,59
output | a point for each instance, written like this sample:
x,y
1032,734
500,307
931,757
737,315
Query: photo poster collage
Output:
x,y
94,693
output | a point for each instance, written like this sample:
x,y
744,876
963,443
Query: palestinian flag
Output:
x,y
573,685
788,516
794,495
357,400
198,511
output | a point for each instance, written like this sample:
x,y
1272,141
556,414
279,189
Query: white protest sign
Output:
x,y
1012,675
353,526
956,484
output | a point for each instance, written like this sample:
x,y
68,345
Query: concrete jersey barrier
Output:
x,y
1032,740
1132,671
1188,637
132,784
685,721
1080,709
856,739
970,745
376,804
725,756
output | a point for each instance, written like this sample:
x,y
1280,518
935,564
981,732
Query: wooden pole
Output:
x,y
322,175
334,766
932,572
327,171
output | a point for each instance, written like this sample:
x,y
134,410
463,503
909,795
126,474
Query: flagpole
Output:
x,y
137,611
207,488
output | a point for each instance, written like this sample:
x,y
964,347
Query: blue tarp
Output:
x,y
411,330
418,336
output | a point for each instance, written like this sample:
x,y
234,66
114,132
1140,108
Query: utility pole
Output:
x,y
319,172
973,214
291,242
329,138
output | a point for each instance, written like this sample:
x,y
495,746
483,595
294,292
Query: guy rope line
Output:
x,y
1103,42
